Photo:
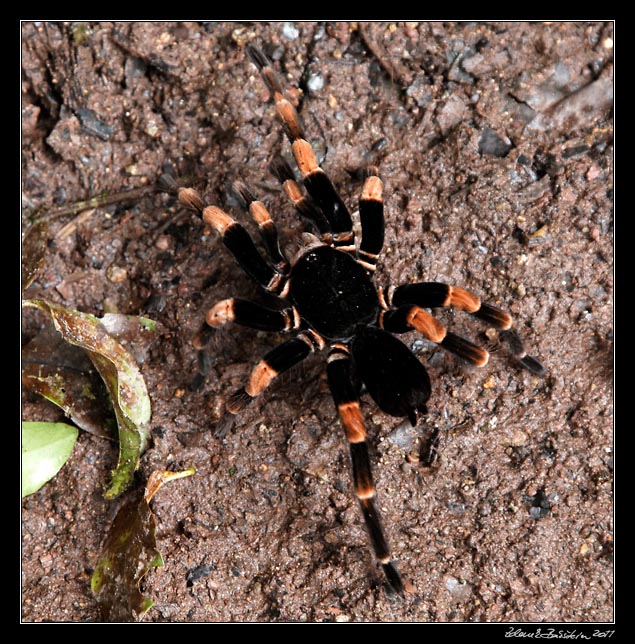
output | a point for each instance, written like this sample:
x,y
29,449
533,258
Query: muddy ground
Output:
x,y
494,141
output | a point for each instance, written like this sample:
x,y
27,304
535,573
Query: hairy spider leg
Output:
x,y
236,239
371,216
518,351
253,315
274,362
316,181
267,227
345,391
437,295
411,317
304,205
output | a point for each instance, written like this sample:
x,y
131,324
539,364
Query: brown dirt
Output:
x,y
494,141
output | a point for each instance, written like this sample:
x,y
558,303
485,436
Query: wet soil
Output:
x,y
494,141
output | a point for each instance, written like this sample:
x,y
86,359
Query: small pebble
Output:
x,y
460,590
163,242
494,144
315,83
490,383
116,274
290,31
94,125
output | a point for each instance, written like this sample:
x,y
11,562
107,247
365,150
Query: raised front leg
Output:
x,y
235,238
267,228
303,203
316,181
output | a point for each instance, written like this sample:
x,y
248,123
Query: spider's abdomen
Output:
x,y
332,292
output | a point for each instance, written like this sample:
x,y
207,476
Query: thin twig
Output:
x,y
94,202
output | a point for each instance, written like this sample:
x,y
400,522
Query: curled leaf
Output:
x,y
128,554
134,332
64,375
122,377
45,449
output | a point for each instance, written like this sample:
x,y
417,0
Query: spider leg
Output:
x,y
236,239
274,362
253,315
371,215
267,228
436,294
303,203
316,181
411,317
345,391
518,351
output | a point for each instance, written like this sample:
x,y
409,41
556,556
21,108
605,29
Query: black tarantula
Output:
x,y
328,298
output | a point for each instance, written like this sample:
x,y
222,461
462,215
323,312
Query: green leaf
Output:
x,y
45,448
122,377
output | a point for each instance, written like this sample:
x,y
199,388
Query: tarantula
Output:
x,y
327,296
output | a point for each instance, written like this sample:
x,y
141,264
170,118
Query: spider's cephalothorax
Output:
x,y
328,298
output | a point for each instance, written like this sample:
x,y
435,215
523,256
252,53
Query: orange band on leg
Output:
x,y
426,324
260,379
304,156
372,189
351,417
217,219
461,299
